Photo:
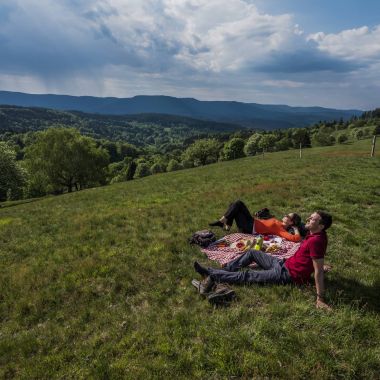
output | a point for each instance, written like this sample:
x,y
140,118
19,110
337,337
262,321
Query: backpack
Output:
x,y
264,213
202,238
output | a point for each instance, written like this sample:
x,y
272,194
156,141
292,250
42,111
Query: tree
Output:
x,y
301,136
202,152
359,134
125,149
322,139
122,171
12,175
283,144
66,159
187,164
173,165
251,147
342,138
142,170
233,149
267,142
131,171
157,168
111,148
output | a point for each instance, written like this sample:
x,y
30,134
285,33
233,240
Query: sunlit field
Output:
x,y
97,284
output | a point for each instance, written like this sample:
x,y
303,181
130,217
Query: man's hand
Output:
x,y
319,272
320,304
327,268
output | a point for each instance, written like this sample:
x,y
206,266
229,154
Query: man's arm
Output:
x,y
320,284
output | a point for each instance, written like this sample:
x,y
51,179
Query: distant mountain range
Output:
x,y
250,115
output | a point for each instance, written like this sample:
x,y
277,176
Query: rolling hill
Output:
x,y
140,129
251,115
97,283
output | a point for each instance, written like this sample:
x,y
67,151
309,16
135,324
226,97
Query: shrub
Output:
x,y
202,152
322,139
12,175
157,168
359,134
142,170
233,149
342,138
173,165
251,147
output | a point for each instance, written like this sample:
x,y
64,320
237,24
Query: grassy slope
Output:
x,y
97,283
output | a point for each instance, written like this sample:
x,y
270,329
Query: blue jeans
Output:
x,y
274,270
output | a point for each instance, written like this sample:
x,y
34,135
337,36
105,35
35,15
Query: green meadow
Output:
x,y
97,284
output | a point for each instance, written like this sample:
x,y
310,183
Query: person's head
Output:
x,y
318,221
291,219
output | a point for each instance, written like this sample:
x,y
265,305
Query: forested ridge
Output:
x,y
140,130
51,152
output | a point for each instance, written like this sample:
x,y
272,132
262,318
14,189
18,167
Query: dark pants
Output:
x,y
239,213
274,270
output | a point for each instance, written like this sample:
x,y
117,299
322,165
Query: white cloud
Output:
x,y
212,35
220,35
215,49
362,43
283,83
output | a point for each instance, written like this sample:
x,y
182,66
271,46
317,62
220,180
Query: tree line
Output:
x,y
60,159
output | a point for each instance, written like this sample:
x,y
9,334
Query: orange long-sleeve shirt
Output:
x,y
273,226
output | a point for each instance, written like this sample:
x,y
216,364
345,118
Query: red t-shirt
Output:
x,y
300,266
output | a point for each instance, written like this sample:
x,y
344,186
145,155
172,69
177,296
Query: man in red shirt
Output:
x,y
298,269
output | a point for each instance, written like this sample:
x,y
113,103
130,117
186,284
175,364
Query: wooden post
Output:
x,y
300,150
373,146
263,152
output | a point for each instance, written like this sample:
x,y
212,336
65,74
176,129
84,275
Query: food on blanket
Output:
x,y
222,243
259,244
273,248
249,245
242,245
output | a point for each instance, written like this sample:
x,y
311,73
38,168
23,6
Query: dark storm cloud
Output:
x,y
304,61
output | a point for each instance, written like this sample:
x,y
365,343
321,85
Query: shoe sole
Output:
x,y
222,297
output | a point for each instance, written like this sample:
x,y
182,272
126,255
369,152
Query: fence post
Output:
x,y
373,146
263,152
300,150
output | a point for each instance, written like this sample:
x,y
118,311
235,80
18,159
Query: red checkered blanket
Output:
x,y
224,255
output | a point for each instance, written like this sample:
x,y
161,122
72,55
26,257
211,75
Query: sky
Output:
x,y
295,52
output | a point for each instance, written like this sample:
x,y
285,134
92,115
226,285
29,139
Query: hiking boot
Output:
x,y
206,285
222,294
222,288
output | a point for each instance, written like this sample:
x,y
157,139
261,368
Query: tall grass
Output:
x,y
96,284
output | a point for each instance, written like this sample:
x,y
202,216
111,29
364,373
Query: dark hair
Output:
x,y
296,219
326,219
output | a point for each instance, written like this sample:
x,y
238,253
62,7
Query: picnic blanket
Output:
x,y
225,254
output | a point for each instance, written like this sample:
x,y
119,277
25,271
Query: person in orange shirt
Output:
x,y
246,223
